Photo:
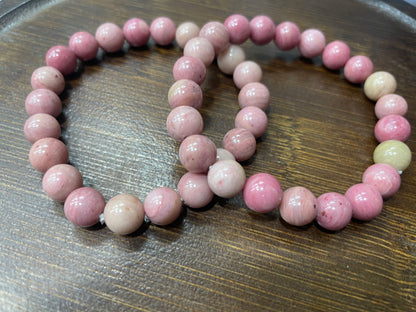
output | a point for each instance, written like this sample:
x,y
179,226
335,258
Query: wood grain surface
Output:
x,y
225,258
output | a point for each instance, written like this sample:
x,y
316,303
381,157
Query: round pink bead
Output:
x,y
298,206
254,94
247,72
84,206
358,68
253,119
188,67
262,193
229,59
136,31
312,43
110,37
163,206
47,77
197,152
334,211
390,104
366,201
41,126
60,180
62,58
238,28
185,32
287,36
163,31
262,30
240,142
84,45
43,101
195,183
226,178
46,153
185,92
200,48
335,55
384,178
184,121
223,154
217,34
392,127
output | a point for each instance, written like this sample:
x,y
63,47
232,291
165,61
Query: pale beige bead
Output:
x,y
394,153
378,84
185,32
228,59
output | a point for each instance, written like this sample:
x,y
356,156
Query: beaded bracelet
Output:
x,y
214,170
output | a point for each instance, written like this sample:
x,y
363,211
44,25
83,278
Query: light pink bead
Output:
x,y
262,193
47,77
195,183
366,201
253,119
312,43
84,45
334,211
226,178
390,104
136,31
262,30
185,32
247,72
197,152
185,92
84,206
41,126
229,59
60,180
110,37
287,36
163,206
223,154
62,58
254,94
200,48
298,206
46,153
240,142
188,67
392,127
184,121
384,178
358,68
163,31
217,34
43,101
238,27
335,55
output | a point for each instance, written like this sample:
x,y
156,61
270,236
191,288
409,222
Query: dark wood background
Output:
x,y
226,258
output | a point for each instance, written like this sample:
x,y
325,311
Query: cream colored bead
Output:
x,y
378,84
394,153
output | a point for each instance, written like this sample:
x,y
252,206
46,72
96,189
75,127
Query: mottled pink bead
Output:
x,y
390,104
262,30
197,152
247,72
287,36
46,153
185,92
62,58
43,101
240,142
217,34
298,206
392,127
185,32
137,32
184,121
41,126
334,211
163,31
229,59
60,180
84,206
84,45
366,201
195,183
238,28
384,178
110,37
358,68
335,55
47,77
312,43
200,48
162,206
262,193
253,119
254,94
223,154
226,178
188,67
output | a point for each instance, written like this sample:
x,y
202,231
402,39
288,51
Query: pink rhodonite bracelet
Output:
x,y
211,170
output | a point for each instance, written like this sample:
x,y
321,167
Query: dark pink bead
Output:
x,y
253,119
335,55
136,31
188,67
384,178
62,58
262,30
185,92
110,37
238,27
392,127
287,36
197,152
195,183
47,77
46,153
312,43
41,126
162,206
60,180
358,68
240,142
163,31
217,34
298,206
84,45
366,201
390,104
43,101
334,211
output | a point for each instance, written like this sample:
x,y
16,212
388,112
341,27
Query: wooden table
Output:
x,y
225,258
